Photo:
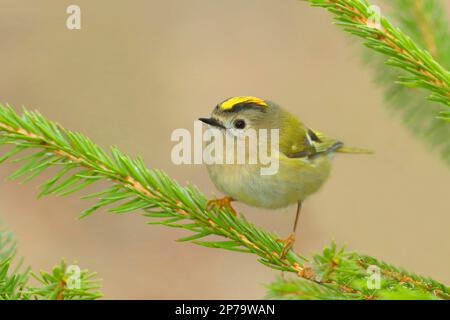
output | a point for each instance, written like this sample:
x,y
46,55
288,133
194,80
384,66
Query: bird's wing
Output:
x,y
316,143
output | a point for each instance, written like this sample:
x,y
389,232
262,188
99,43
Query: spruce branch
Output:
x,y
11,282
56,285
135,187
345,274
425,22
14,281
422,70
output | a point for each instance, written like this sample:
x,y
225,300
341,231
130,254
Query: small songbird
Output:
x,y
304,158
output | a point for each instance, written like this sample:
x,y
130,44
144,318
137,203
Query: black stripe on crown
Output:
x,y
244,106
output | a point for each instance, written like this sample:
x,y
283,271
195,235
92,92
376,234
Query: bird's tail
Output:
x,y
325,144
345,149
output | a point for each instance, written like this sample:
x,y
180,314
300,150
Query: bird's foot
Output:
x,y
221,203
288,243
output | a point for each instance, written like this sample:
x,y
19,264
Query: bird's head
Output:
x,y
241,113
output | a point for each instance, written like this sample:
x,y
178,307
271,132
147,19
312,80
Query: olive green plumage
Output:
x,y
304,155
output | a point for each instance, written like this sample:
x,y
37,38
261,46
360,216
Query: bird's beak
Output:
x,y
212,122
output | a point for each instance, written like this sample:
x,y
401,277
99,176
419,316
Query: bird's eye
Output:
x,y
239,124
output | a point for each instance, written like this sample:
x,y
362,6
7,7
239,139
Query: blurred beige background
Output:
x,y
139,69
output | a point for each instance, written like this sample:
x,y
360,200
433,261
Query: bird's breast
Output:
x,y
294,180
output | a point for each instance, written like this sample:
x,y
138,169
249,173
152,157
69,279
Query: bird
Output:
x,y
304,158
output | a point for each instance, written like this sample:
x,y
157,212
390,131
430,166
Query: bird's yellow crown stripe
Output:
x,y
228,104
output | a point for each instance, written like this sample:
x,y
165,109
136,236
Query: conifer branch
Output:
x,y
425,22
421,69
134,187
14,282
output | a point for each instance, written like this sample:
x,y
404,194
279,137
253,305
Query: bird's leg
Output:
x,y
221,203
288,243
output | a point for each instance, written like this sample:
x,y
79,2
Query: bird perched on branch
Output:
x,y
304,158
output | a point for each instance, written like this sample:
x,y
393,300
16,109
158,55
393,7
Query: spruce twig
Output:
x,y
425,22
14,282
422,70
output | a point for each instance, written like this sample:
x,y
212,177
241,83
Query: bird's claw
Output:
x,y
288,243
221,203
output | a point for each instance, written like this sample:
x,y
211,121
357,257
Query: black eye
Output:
x,y
239,124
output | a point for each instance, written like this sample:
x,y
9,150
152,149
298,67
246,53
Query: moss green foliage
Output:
x,y
135,187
